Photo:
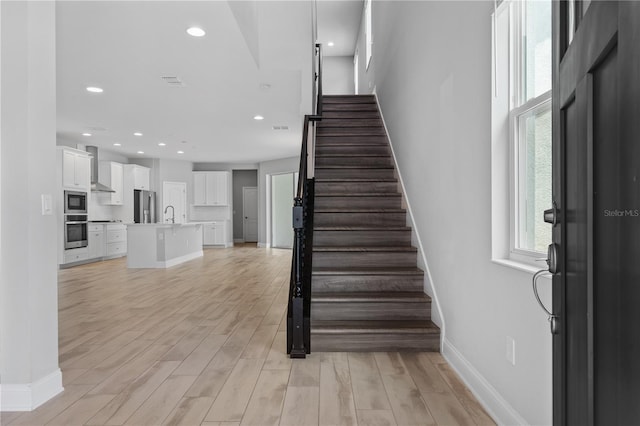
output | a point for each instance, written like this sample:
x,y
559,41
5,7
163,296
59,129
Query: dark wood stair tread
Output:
x,y
351,155
362,228
374,327
370,297
365,249
353,166
367,271
348,210
352,98
359,180
358,194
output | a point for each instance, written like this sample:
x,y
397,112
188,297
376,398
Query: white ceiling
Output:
x,y
339,22
126,47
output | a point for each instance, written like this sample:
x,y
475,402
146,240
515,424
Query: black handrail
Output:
x,y
299,307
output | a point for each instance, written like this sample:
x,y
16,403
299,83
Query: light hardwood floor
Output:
x,y
203,343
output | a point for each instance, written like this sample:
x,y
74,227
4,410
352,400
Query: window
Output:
x,y
368,40
521,115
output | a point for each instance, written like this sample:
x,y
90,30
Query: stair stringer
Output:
x,y
429,287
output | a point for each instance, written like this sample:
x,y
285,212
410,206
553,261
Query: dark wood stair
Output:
x,y
367,291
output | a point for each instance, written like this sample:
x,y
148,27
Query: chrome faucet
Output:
x,y
173,213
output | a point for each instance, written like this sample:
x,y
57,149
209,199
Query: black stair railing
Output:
x,y
299,307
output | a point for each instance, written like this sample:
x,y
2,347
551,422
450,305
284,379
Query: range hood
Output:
x,y
95,185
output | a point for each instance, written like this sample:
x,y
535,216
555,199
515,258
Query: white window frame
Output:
x,y
507,138
368,36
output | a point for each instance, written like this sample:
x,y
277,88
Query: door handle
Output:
x,y
552,262
551,215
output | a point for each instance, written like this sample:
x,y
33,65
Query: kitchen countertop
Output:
x,y
166,225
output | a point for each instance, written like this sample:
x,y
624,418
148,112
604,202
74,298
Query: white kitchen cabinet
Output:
x,y
97,246
76,255
116,240
213,233
111,175
75,169
140,177
210,188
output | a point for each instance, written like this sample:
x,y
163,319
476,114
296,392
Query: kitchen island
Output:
x,y
163,245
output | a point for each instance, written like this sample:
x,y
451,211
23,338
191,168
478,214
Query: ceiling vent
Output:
x,y
280,127
173,81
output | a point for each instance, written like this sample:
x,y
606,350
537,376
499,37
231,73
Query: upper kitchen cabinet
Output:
x,y
76,168
111,175
211,188
137,175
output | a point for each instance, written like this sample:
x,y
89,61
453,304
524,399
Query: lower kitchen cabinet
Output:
x,y
116,240
96,241
76,255
213,233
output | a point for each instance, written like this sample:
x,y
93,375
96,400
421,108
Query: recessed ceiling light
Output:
x,y
162,144
86,134
258,117
117,144
180,152
137,134
140,152
93,89
330,44
195,32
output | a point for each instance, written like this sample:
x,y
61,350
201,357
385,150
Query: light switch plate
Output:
x,y
511,350
47,204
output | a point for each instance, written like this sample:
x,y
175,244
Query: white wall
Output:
x,y
265,170
28,277
431,69
337,75
282,194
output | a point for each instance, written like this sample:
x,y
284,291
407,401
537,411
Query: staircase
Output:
x,y
367,292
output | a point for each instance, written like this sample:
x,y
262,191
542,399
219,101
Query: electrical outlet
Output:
x,y
511,350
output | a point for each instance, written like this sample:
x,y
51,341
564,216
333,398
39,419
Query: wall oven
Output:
x,y
75,231
75,202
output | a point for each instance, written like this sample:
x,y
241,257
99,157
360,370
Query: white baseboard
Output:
x,y
264,245
497,407
29,396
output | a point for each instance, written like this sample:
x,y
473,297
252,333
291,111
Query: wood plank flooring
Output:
x,y
203,343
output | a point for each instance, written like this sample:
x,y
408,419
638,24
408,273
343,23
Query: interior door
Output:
x,y
250,214
596,162
174,194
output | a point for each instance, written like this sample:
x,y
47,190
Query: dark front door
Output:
x,y
596,291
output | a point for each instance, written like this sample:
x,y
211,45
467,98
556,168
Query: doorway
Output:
x,y
242,178
282,194
250,214
596,187
174,194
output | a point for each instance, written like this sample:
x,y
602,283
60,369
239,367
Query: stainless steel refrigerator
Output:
x,y
144,206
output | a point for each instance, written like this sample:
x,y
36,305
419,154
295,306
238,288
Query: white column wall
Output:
x,y
28,245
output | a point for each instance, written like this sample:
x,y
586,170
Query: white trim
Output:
x,y
414,231
228,244
524,267
264,245
490,399
29,396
